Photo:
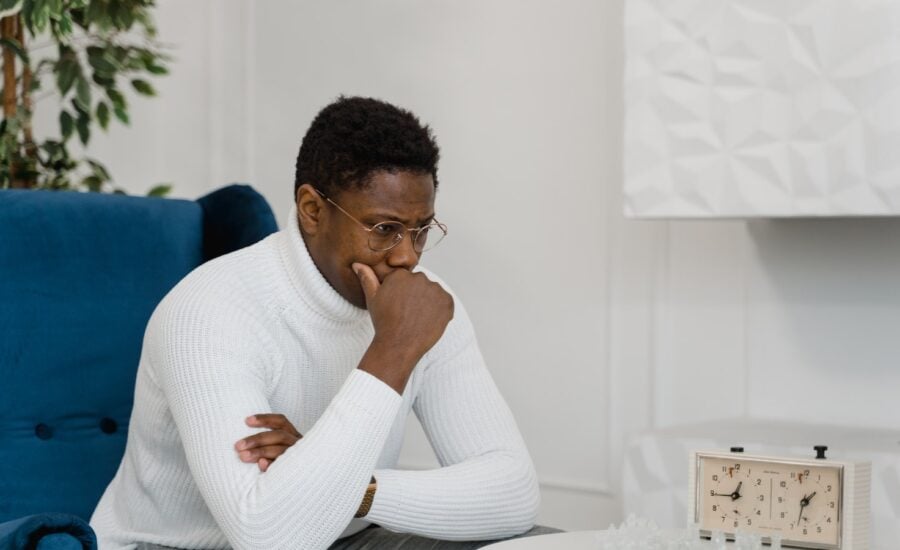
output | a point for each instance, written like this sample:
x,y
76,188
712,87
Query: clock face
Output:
x,y
800,500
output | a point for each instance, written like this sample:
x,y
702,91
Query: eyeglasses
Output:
x,y
388,234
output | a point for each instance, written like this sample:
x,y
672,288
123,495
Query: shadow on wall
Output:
x,y
834,284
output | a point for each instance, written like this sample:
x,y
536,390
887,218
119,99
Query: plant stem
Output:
x,y
8,31
30,148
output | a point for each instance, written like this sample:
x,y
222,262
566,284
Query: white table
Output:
x,y
574,540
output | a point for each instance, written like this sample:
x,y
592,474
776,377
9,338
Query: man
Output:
x,y
332,324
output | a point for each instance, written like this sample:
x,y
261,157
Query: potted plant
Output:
x,y
85,53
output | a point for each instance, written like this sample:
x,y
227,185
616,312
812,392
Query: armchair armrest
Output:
x,y
47,532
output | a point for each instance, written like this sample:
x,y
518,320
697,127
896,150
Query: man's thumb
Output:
x,y
367,279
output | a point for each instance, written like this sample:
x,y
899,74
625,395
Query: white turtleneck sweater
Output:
x,y
260,330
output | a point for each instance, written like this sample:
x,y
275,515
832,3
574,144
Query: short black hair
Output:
x,y
354,137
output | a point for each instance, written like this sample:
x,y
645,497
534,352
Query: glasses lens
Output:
x,y
385,235
429,236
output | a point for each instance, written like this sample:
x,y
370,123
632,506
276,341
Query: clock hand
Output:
x,y
804,502
737,492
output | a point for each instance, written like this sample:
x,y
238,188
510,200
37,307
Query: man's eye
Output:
x,y
385,229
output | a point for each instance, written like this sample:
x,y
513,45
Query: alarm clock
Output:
x,y
810,503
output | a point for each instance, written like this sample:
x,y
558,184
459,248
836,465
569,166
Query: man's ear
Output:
x,y
310,208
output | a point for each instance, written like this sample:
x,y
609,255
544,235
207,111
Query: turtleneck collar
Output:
x,y
309,282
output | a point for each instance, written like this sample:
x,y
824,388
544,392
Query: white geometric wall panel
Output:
x,y
746,108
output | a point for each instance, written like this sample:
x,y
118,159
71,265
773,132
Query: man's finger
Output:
x,y
274,437
367,279
270,452
273,422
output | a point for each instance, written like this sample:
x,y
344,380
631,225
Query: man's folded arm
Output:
x,y
214,376
487,487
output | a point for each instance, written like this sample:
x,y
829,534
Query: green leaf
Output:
x,y
10,7
99,170
66,72
64,24
160,190
118,100
83,93
84,128
100,61
143,87
93,183
122,115
102,80
103,114
66,124
153,68
40,14
16,47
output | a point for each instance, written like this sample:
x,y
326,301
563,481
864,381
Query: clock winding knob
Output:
x,y
737,449
820,451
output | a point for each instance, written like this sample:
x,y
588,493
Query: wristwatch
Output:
x,y
367,499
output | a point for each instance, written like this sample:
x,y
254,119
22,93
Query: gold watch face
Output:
x,y
800,500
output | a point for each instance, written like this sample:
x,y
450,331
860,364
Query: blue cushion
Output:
x,y
47,532
234,217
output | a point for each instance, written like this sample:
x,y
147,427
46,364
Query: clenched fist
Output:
x,y
410,313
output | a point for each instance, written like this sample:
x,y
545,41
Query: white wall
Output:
x,y
593,326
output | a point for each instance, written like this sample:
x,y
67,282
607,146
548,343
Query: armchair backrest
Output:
x,y
80,274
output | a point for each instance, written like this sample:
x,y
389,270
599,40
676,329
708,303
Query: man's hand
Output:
x,y
409,313
264,447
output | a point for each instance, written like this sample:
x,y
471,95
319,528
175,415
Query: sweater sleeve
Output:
x,y
487,487
213,363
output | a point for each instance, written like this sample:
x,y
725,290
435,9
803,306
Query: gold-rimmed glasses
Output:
x,y
388,234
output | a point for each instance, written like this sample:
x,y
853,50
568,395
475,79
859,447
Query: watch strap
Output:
x,y
367,500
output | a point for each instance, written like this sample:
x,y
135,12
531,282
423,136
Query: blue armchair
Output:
x,y
80,274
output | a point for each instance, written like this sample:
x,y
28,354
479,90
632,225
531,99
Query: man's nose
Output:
x,y
403,255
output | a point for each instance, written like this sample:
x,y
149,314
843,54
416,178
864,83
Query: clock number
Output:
x,y
749,521
828,520
805,473
828,489
831,504
784,483
818,529
759,482
762,498
735,523
758,513
780,500
804,531
782,515
715,508
737,466
715,477
712,493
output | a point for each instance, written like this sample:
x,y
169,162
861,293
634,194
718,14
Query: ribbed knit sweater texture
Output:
x,y
261,330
